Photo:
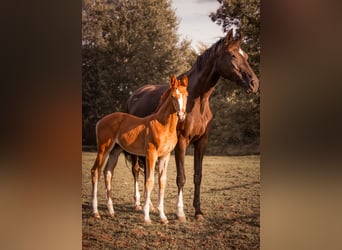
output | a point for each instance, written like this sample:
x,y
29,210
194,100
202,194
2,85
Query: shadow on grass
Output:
x,y
245,185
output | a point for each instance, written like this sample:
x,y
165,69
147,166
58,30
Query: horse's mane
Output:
x,y
163,98
208,53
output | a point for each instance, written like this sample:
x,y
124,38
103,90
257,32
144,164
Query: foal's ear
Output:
x,y
173,82
185,81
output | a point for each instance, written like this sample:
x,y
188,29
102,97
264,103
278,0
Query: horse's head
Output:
x,y
233,65
179,94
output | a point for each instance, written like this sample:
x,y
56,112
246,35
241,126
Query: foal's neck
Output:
x,y
166,114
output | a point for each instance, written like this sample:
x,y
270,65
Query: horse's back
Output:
x,y
145,100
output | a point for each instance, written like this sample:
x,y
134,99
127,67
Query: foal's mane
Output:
x,y
163,98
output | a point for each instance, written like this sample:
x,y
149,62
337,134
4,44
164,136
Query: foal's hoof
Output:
x,y
199,217
164,221
181,218
96,215
147,222
137,208
112,215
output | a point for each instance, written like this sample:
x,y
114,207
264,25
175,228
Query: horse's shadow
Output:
x,y
245,185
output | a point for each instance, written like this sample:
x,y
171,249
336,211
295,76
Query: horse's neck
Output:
x,y
167,114
202,80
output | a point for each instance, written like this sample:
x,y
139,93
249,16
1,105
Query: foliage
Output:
x,y
245,15
236,127
126,44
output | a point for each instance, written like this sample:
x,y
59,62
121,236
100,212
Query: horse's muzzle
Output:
x,y
253,86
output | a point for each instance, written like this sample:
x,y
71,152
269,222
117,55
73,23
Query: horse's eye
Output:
x,y
233,56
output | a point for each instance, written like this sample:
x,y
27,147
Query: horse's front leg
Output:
x,y
162,170
180,150
198,160
149,182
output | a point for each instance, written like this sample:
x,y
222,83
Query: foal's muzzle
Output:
x,y
181,115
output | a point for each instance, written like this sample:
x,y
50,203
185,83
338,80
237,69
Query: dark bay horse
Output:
x,y
153,137
224,59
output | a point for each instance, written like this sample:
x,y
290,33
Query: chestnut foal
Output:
x,y
153,137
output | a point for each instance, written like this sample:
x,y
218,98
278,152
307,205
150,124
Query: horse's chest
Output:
x,y
196,123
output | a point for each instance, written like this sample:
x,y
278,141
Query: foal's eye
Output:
x,y
233,56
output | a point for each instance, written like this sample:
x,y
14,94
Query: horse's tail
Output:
x,y
141,160
128,157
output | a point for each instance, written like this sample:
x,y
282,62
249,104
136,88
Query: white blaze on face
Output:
x,y
241,52
180,100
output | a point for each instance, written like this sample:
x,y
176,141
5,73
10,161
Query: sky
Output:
x,y
195,23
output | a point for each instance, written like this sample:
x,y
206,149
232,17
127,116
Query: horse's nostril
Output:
x,y
251,83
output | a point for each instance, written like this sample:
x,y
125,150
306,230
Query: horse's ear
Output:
x,y
229,37
173,81
185,81
240,37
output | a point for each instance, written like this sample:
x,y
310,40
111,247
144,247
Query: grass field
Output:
x,y
230,200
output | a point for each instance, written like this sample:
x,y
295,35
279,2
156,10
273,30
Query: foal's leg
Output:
x,y
102,154
149,182
135,172
108,176
162,170
136,169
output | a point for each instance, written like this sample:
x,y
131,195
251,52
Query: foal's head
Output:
x,y
179,95
233,63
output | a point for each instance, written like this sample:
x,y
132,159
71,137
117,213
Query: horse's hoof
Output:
x,y
112,215
181,218
165,221
137,208
96,215
199,217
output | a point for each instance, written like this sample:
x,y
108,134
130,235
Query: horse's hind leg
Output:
x,y
135,172
108,175
162,170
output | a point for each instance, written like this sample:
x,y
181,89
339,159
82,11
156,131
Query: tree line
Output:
x,y
127,44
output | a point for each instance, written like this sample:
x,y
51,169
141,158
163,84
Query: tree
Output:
x,y
245,15
126,44
238,125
